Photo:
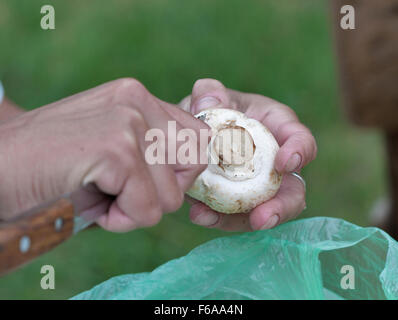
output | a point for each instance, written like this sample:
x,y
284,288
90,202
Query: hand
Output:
x,y
92,145
8,109
297,149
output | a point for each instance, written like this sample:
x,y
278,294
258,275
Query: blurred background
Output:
x,y
279,48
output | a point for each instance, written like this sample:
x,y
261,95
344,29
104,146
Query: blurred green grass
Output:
x,y
279,48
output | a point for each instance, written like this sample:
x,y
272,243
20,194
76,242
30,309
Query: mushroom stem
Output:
x,y
234,146
241,173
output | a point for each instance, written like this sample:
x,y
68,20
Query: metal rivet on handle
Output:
x,y
24,244
58,224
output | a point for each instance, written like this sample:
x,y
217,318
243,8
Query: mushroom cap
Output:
x,y
241,153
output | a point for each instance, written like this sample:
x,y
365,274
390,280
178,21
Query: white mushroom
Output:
x,y
241,155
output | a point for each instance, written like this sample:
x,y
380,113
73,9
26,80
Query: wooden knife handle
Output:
x,y
34,233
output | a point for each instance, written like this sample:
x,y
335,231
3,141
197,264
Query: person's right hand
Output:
x,y
92,146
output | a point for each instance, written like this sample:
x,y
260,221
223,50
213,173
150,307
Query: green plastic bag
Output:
x,y
313,258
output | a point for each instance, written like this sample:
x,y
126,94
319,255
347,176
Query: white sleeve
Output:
x,y
1,93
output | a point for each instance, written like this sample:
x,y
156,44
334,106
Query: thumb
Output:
x,y
208,93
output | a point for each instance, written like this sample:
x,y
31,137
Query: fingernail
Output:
x,y
293,163
206,219
271,222
206,102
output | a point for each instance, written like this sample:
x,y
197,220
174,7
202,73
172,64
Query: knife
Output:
x,y
37,231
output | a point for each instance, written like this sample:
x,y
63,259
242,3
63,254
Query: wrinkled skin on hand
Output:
x,y
297,149
92,145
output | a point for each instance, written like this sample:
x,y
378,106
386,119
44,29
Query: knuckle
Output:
x,y
152,217
122,147
129,88
130,84
295,128
309,145
286,128
126,141
314,148
301,197
132,117
303,205
289,112
300,208
174,202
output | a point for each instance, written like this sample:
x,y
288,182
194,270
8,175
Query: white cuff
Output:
x,y
1,93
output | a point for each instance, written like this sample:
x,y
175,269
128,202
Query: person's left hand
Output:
x,y
297,149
